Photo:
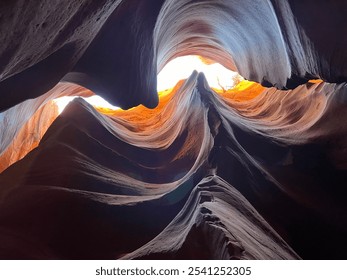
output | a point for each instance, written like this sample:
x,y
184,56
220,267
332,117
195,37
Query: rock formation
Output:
x,y
255,172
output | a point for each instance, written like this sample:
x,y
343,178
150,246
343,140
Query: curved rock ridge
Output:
x,y
23,126
116,185
41,43
216,223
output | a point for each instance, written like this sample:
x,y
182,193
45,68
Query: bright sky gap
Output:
x,y
180,68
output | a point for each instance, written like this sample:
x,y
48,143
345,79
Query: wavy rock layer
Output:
x,y
250,173
198,177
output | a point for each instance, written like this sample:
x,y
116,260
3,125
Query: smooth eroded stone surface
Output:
x,y
254,172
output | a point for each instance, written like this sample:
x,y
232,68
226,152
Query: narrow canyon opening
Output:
x,y
123,136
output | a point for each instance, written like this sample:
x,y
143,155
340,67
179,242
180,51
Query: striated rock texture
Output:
x,y
250,173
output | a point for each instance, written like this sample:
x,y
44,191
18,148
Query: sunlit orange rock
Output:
x,y
253,172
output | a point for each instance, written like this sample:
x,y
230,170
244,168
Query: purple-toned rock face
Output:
x,y
249,173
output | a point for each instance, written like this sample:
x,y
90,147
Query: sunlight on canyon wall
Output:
x,y
178,129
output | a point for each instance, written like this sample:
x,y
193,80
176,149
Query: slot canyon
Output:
x,y
257,170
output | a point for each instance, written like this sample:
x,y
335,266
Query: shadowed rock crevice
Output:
x,y
257,171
